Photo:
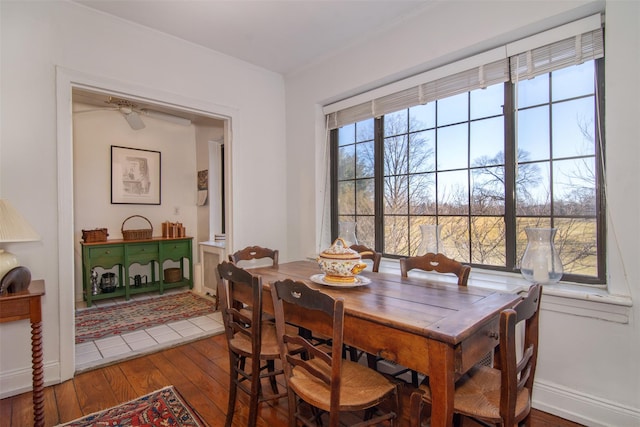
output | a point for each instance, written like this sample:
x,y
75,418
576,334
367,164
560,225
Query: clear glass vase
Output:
x,y
431,241
540,262
347,230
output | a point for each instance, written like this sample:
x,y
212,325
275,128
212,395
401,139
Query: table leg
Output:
x,y
38,374
441,381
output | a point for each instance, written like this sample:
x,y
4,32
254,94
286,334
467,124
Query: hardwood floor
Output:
x,y
199,370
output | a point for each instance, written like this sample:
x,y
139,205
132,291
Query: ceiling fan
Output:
x,y
132,112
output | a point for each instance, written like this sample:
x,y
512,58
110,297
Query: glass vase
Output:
x,y
431,241
540,262
347,230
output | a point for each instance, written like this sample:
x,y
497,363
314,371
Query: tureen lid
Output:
x,y
340,250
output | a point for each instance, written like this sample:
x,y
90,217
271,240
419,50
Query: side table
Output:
x,y
27,305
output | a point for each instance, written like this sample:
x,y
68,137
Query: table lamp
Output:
x,y
13,228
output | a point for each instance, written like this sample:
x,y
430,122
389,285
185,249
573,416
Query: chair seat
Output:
x,y
269,348
478,395
360,387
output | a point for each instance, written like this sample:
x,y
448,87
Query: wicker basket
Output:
x,y
139,234
96,235
172,275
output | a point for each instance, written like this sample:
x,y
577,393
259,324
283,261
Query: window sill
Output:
x,y
566,298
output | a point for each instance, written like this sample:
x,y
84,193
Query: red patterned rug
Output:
x,y
165,407
101,322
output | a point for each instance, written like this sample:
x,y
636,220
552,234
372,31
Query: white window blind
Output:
x,y
569,44
464,81
571,51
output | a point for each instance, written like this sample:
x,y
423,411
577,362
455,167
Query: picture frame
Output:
x,y
135,176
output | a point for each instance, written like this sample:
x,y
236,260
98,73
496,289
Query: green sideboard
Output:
x,y
124,253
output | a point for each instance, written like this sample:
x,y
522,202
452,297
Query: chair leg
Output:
x,y
256,392
414,379
271,367
372,361
416,405
234,363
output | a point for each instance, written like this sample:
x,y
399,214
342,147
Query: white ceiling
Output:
x,y
282,36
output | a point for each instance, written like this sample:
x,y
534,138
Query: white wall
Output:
x,y
36,38
588,367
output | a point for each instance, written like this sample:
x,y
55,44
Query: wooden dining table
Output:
x,y
436,328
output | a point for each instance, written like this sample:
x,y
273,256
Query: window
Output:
x,y
482,165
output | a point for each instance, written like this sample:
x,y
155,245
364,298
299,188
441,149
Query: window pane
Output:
x,y
487,102
488,237
364,130
487,142
395,194
395,155
422,154
574,128
346,134
453,193
533,189
364,156
455,237
576,243
533,92
453,109
573,81
396,236
487,191
422,194
346,162
365,196
365,231
574,188
396,123
452,147
423,116
346,198
533,134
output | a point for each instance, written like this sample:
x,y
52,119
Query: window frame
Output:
x,y
511,263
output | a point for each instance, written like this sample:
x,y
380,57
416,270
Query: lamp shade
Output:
x,y
13,227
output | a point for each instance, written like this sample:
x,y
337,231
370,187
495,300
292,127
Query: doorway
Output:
x,y
67,82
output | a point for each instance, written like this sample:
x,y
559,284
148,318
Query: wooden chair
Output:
x,y
500,395
436,262
251,253
367,253
248,337
325,380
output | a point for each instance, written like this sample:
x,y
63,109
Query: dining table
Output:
x,y
434,327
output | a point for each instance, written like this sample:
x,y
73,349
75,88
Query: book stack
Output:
x,y
173,229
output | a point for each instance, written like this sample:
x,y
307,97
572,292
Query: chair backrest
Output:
x,y
291,295
518,374
238,289
368,253
436,262
251,253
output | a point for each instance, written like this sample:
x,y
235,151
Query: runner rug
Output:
x,y
101,322
165,407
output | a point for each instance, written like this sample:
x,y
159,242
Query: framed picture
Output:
x,y
135,176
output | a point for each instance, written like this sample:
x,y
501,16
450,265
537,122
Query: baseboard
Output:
x,y
20,381
582,408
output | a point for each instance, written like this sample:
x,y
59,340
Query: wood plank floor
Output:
x,y
199,370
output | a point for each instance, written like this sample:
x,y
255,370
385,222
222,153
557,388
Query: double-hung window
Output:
x,y
463,163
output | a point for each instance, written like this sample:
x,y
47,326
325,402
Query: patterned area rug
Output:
x,y
100,322
165,407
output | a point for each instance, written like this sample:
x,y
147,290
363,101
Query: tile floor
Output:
x,y
108,350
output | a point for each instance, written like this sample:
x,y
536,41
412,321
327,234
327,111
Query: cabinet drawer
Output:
x,y
176,250
106,252
142,249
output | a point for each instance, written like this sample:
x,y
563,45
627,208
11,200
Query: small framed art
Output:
x,y
135,176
